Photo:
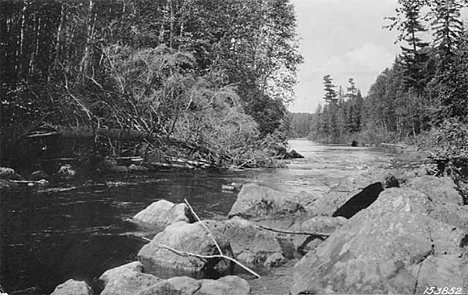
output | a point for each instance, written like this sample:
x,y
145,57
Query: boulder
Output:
x,y
439,189
72,287
230,285
274,260
320,225
254,201
360,201
163,213
381,249
127,279
137,168
353,194
189,238
118,169
249,243
293,155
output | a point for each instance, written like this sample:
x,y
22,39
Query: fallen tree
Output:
x,y
125,135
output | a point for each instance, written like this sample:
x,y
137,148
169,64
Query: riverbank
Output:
x,y
332,171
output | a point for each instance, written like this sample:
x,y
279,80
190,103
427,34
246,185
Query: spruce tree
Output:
x,y
330,93
415,53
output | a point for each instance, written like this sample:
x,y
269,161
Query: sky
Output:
x,y
343,38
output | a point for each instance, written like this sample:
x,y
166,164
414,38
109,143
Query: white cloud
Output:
x,y
369,58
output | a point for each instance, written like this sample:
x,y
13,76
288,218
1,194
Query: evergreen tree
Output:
x,y
447,27
415,53
329,88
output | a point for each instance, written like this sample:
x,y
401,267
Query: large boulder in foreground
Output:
x,y
393,246
127,279
229,285
72,287
322,226
163,213
190,238
256,201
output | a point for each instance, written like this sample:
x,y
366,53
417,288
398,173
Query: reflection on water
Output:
x,y
75,230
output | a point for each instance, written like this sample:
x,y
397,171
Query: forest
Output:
x,y
200,79
422,99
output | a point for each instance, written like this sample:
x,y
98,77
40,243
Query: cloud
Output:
x,y
369,58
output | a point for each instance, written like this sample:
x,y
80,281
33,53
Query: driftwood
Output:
x,y
204,225
204,257
282,231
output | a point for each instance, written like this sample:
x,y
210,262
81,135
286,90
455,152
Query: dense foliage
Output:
x,y
213,73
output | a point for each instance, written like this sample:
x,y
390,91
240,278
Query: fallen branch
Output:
x,y
204,225
282,231
181,253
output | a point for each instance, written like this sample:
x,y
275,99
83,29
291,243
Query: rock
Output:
x,y
37,175
191,238
274,260
380,249
173,286
254,200
360,201
118,169
6,173
248,258
441,189
390,181
352,194
127,279
233,186
72,287
336,197
411,159
440,272
108,275
66,171
249,244
134,167
318,224
230,285
293,155
163,213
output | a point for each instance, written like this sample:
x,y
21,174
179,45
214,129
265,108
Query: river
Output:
x,y
80,229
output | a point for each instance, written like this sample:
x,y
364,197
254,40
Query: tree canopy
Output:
x,y
193,70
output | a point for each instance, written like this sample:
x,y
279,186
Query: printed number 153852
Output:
x,y
445,290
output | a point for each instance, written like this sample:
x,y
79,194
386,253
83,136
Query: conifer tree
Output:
x,y
415,53
447,27
330,92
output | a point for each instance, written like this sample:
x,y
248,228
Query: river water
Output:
x,y
80,229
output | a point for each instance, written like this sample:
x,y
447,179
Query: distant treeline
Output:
x,y
424,90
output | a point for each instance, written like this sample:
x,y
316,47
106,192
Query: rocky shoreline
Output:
x,y
393,229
